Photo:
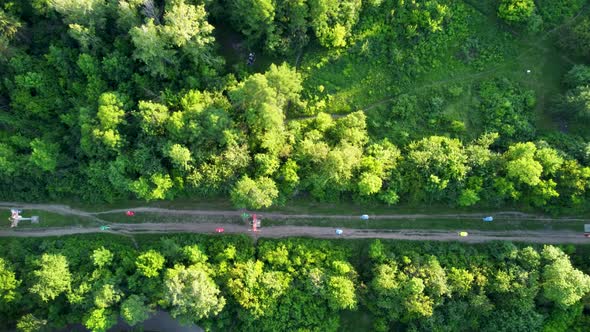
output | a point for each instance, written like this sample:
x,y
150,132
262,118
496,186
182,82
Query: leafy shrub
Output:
x,y
516,11
555,12
506,108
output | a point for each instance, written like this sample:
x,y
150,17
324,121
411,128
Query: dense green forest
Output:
x,y
456,103
226,283
385,101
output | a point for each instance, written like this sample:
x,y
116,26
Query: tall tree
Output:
x,y
52,277
44,155
341,293
191,293
150,263
30,323
8,285
577,101
255,289
184,33
102,257
563,284
434,165
254,18
100,320
521,164
254,194
332,20
134,310
516,11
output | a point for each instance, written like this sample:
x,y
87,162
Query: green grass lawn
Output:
x,y
499,224
148,217
179,203
309,206
352,81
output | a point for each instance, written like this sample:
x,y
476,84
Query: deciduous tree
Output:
x,y
255,289
52,277
8,285
563,284
516,11
134,310
254,194
150,263
191,293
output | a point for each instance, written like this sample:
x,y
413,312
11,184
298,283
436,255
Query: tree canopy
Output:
x,y
227,282
138,100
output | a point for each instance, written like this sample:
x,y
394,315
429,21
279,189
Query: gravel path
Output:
x,y
309,231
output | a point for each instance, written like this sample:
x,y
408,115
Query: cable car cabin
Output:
x,y
587,230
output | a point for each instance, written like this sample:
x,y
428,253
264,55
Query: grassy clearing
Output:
x,y
295,206
499,224
344,82
235,50
351,82
148,217
201,204
308,206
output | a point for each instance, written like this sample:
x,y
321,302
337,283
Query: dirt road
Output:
x,y
552,236
66,210
308,231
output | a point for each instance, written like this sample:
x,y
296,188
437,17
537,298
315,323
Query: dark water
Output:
x,y
160,321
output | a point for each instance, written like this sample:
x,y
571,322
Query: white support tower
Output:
x,y
15,218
